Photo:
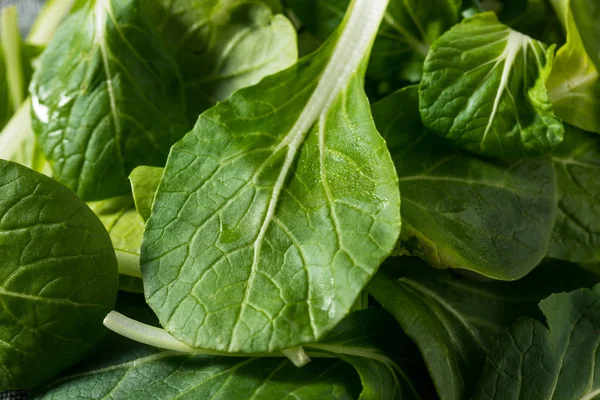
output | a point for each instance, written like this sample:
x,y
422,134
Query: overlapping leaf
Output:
x,y
574,83
224,45
493,217
106,97
58,278
408,29
532,361
456,321
483,88
576,233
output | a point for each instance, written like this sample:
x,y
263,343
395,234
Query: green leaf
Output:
x,y
576,234
124,369
559,362
223,45
144,184
492,102
493,217
278,208
586,14
456,321
58,278
106,98
573,84
407,31
126,229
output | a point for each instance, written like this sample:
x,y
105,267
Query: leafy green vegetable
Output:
x,y
408,29
558,362
58,278
170,375
586,14
573,84
106,98
256,223
223,45
456,321
144,184
493,217
576,234
17,140
492,102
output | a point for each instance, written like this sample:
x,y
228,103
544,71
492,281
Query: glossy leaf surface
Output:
x,y
58,278
263,233
106,98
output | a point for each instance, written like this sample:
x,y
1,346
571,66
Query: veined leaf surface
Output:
x,y
58,278
277,209
532,361
483,88
223,45
106,98
456,321
576,233
493,217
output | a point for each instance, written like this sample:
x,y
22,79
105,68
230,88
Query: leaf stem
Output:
x,y
11,46
160,338
49,18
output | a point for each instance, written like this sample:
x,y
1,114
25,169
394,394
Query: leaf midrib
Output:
x,y
354,41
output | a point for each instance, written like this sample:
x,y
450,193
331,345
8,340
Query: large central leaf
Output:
x,y
277,209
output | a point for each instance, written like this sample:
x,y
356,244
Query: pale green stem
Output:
x,y
11,45
160,338
49,18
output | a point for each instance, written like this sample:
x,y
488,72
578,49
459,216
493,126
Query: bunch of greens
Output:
x,y
337,199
